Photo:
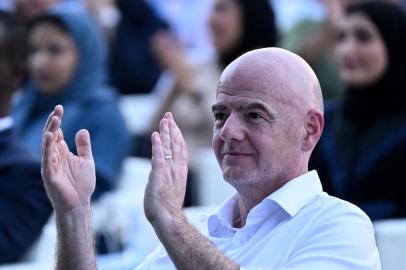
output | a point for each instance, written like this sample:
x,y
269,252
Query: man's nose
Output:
x,y
233,128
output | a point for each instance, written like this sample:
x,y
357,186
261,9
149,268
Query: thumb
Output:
x,y
83,145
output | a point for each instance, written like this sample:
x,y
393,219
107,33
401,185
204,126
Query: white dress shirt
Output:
x,y
297,227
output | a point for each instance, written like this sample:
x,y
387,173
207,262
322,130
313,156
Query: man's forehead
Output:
x,y
241,98
263,88
273,91
261,77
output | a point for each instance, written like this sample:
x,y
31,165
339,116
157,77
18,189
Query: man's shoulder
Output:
x,y
332,206
338,204
329,213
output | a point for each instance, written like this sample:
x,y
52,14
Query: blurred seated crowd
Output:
x,y
91,55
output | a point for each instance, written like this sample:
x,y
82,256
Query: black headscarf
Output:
x,y
386,95
258,26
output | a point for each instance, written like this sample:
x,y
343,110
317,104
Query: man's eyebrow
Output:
x,y
218,107
255,105
259,106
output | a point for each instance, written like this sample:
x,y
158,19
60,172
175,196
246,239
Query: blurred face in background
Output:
x,y
226,25
360,51
52,58
30,9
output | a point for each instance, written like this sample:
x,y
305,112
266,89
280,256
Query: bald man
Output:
x,y
267,119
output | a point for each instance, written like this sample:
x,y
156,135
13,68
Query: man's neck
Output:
x,y
243,208
250,197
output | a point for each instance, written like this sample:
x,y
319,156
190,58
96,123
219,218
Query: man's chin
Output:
x,y
233,175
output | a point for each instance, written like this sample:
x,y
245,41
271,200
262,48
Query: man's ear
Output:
x,y
313,124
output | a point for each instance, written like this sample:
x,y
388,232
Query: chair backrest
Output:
x,y
391,241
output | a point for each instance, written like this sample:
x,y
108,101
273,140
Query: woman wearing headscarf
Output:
x,y
362,152
67,66
237,26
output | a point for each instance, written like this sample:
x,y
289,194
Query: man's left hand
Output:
x,y
165,191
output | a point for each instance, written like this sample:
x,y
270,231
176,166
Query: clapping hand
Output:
x,y
69,179
165,191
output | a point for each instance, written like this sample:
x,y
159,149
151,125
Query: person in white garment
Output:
x,y
268,117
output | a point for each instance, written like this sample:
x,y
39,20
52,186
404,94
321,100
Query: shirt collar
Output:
x,y
298,192
5,123
291,197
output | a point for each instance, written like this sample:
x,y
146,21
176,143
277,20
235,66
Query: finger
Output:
x,y
58,112
165,138
83,144
46,154
60,136
178,144
48,121
158,159
53,126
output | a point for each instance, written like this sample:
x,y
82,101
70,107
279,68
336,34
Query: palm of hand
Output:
x,y
73,177
69,179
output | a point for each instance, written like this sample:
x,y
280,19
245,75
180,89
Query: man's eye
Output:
x,y
254,116
219,116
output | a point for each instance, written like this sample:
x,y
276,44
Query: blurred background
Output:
x,y
117,65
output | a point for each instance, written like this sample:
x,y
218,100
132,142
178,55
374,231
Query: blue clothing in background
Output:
x,y
88,102
133,68
24,205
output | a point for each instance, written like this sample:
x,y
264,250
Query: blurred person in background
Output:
x,y
67,64
188,21
30,9
237,26
314,40
127,26
361,155
24,206
133,68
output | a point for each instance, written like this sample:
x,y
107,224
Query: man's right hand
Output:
x,y
69,179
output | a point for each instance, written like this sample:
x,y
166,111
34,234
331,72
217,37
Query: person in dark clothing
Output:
x,y
362,152
24,206
133,67
67,64
258,28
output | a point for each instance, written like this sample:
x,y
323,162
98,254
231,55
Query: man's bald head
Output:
x,y
286,85
268,119
275,70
